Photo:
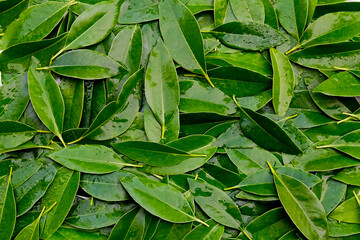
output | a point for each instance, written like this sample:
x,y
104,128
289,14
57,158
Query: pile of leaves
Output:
x,y
169,119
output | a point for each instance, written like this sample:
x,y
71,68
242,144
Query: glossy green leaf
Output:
x,y
14,97
341,56
105,187
133,11
93,25
159,199
349,144
233,137
293,16
349,176
153,154
252,61
98,214
13,134
46,98
216,204
251,36
343,84
302,206
340,229
161,86
28,193
283,82
201,232
17,58
11,11
271,17
270,225
323,160
263,131
167,230
66,232
177,22
8,207
72,91
32,230
30,27
127,47
220,9
95,159
331,28
85,64
130,226
195,144
348,212
196,97
61,192
124,112
247,11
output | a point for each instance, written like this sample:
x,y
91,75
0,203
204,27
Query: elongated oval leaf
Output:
x,y
61,192
85,64
302,206
201,232
161,85
96,159
30,27
283,82
216,204
153,154
7,208
343,84
248,10
46,98
13,134
182,36
251,36
348,212
159,199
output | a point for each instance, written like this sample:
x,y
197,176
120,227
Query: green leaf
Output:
x,y
348,212
28,193
159,199
194,144
13,134
343,84
133,11
72,91
17,58
201,232
251,36
248,10
46,98
61,192
216,204
266,133
130,226
93,25
271,18
341,56
167,230
66,232
349,144
252,61
293,16
302,206
98,214
283,82
331,28
126,47
196,97
32,230
270,225
106,187
182,37
30,27
162,86
85,64
7,207
96,159
123,114
11,11
220,11
153,154
349,176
